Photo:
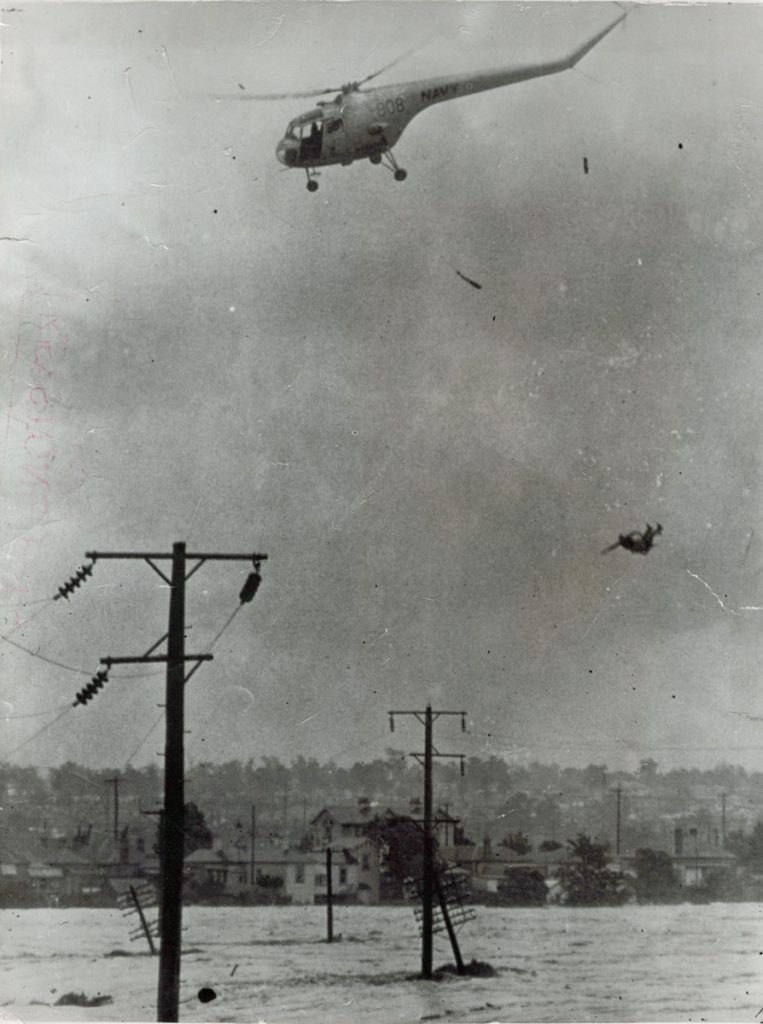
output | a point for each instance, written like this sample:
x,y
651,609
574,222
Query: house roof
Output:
x,y
104,850
345,815
352,815
16,854
298,857
207,856
704,856
462,854
502,855
44,871
31,851
62,857
262,855
351,843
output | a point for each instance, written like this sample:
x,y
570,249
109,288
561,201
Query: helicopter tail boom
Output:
x,y
420,95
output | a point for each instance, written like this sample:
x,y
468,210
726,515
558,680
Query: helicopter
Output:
x,y
362,123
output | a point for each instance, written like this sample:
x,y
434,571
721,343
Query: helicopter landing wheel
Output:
x,y
312,185
376,158
389,161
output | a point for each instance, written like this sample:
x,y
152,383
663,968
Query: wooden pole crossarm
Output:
x,y
196,567
151,556
159,641
145,658
435,753
195,667
157,555
159,572
462,713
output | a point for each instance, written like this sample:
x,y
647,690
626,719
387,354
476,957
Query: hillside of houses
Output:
x,y
272,833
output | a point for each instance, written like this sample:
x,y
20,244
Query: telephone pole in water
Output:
x,y
174,798
115,783
427,719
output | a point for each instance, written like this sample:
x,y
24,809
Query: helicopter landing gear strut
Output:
x,y
312,184
387,159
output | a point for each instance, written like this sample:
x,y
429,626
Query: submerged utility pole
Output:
x,y
115,783
428,718
172,842
286,809
251,851
329,898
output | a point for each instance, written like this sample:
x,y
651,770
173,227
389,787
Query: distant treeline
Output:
x,y
492,797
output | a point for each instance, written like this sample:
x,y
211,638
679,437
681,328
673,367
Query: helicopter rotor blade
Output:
x,y
312,93
279,95
386,67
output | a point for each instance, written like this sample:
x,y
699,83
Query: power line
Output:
x,y
49,661
66,707
84,672
160,716
560,744
39,732
35,714
159,719
72,668
231,617
31,618
26,604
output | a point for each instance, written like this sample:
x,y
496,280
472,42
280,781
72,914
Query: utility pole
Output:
x,y
449,925
617,834
329,898
427,898
174,796
427,719
251,851
115,783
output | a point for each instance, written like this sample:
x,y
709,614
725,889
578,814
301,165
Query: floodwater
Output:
x,y
273,964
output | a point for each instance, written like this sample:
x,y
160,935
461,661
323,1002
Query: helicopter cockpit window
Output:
x,y
311,139
334,125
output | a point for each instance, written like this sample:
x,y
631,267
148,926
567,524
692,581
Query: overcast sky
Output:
x,y
196,348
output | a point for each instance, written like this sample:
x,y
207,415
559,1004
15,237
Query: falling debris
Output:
x,y
240,85
635,542
585,165
474,284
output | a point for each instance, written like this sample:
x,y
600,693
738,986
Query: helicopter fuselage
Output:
x,y
366,123
358,125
